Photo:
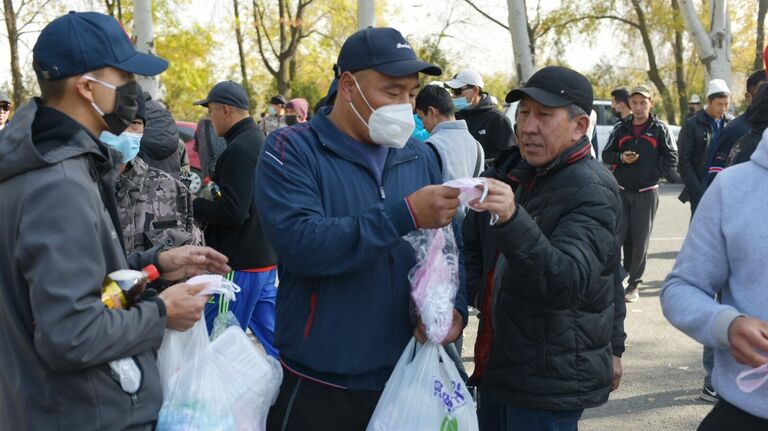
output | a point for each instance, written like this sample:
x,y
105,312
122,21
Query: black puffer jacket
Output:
x,y
160,142
488,125
692,144
554,312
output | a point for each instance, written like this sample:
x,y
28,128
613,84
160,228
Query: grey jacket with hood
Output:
x,y
57,242
160,141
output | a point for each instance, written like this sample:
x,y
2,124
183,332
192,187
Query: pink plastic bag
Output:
x,y
435,279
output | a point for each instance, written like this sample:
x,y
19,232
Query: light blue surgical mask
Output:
x,y
127,143
460,103
272,110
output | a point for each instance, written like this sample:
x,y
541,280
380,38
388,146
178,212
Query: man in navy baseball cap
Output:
x,y
335,196
88,60
71,360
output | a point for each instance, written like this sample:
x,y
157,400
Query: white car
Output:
x,y
605,122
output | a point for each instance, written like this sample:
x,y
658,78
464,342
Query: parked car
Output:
x,y
187,134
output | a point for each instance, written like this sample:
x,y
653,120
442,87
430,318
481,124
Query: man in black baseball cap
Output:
x,y
336,194
556,241
232,225
62,237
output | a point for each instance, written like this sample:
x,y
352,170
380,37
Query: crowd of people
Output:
x,y
322,198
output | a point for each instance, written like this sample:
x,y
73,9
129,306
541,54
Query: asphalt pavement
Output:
x,y
662,366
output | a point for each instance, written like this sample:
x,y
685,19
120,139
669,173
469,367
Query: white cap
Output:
x,y
464,78
695,99
717,86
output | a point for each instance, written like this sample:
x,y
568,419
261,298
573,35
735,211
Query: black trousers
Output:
x,y
306,405
726,416
638,212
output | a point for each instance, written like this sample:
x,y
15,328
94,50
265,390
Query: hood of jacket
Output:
x,y
57,137
758,111
760,156
161,137
485,104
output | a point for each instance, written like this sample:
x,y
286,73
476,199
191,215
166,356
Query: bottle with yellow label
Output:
x,y
126,285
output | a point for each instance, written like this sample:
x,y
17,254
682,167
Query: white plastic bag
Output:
x,y
227,387
425,392
434,279
179,348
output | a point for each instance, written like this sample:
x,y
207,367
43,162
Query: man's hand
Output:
x,y
183,306
749,337
617,372
453,334
191,260
434,206
629,157
500,200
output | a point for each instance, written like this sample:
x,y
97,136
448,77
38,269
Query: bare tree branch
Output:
x,y
259,22
566,23
258,17
483,13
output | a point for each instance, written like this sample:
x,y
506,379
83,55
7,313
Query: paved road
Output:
x,y
662,366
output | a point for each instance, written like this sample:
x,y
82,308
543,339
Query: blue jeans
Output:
x,y
254,306
508,417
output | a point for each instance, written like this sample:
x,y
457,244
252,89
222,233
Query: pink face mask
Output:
x,y
471,189
749,380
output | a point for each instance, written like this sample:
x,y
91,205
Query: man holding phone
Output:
x,y
640,148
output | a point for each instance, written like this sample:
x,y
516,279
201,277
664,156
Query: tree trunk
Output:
x,y
653,69
13,42
241,53
714,48
143,33
682,90
720,35
761,11
521,43
366,14
283,81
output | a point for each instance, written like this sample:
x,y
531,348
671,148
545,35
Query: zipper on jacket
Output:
x,y
381,191
135,400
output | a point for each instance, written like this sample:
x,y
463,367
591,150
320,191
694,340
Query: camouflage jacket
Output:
x,y
154,208
270,123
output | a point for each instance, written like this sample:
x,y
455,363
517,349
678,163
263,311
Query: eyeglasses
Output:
x,y
458,91
5,107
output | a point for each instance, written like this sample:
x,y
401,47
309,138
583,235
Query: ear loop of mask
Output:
x,y
106,84
364,100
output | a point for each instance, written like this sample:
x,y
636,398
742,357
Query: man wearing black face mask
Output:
x,y
61,237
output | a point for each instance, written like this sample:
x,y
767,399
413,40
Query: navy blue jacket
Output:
x,y
343,305
735,130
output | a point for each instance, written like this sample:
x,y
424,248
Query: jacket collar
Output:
x,y
523,172
238,128
134,177
338,142
450,125
626,122
760,156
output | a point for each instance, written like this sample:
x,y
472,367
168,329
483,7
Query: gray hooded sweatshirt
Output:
x,y
725,251
57,242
